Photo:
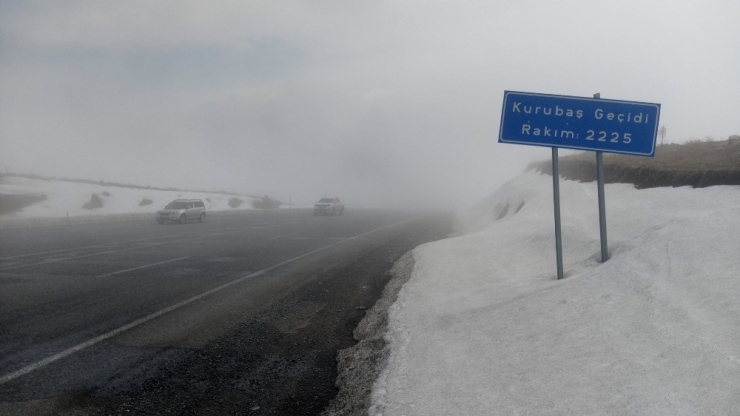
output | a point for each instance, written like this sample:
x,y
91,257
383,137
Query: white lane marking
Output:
x,y
139,240
284,235
57,251
282,224
171,236
178,239
102,245
50,261
46,361
143,267
20,266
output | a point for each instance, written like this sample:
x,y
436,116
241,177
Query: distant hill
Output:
x,y
697,163
114,184
25,197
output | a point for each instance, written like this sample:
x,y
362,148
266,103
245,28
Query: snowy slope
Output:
x,y
482,327
63,198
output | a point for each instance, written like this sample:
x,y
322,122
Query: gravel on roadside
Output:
x,y
361,365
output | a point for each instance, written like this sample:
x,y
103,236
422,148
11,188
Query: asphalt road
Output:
x,y
241,314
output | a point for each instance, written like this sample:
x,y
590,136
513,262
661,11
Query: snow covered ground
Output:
x,y
68,198
483,328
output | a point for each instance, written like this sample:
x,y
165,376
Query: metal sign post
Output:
x,y
602,203
556,201
581,123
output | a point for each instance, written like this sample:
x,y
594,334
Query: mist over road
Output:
x,y
241,314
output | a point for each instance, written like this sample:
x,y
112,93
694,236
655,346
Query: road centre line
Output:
x,y
284,235
20,266
79,347
59,251
143,267
106,244
139,240
175,236
226,233
260,227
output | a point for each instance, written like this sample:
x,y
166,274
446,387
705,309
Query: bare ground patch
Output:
x,y
16,202
697,164
94,203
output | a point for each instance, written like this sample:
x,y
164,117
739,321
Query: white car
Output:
x,y
182,210
328,206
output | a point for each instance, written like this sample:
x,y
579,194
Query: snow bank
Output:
x,y
68,198
482,327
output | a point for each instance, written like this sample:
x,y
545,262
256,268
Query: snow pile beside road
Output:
x,y
360,365
69,198
482,327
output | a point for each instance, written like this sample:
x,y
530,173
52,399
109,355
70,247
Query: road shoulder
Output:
x,y
360,365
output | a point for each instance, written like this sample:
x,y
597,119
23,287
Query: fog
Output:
x,y
382,103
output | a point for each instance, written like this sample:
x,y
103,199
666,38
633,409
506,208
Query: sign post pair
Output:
x,y
581,123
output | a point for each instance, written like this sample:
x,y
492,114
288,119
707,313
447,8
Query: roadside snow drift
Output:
x,y
483,327
56,199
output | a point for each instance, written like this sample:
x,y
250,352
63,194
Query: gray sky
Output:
x,y
378,102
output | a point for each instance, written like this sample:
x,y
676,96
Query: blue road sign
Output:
x,y
579,123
